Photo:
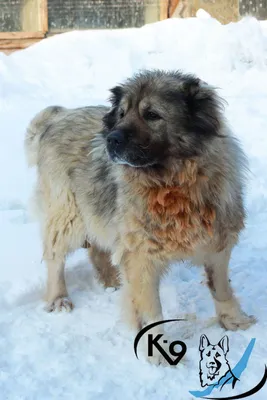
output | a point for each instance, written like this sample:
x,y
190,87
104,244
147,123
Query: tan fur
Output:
x,y
183,219
138,219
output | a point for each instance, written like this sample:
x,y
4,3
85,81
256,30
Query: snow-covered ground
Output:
x,y
88,354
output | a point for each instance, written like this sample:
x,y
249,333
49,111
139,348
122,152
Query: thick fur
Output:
x,y
160,180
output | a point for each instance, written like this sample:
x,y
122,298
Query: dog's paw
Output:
x,y
231,316
59,304
239,322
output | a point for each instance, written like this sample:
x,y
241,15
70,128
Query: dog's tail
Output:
x,y
38,125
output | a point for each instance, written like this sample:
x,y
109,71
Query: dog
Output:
x,y
213,362
158,177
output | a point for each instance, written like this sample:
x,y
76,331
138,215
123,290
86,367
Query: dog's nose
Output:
x,y
116,139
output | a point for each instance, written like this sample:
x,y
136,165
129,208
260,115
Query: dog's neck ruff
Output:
x,y
178,216
183,217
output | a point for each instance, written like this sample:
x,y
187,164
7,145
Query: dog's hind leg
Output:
x,y
55,252
228,310
107,274
63,232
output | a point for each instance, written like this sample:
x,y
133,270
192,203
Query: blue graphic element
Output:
x,y
228,378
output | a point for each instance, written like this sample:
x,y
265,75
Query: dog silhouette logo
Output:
x,y
215,370
213,364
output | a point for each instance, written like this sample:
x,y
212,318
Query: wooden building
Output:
x,y
23,22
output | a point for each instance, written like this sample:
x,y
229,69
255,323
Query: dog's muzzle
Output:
x,y
121,152
116,143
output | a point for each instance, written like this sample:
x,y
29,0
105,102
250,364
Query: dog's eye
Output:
x,y
217,355
152,116
208,354
121,113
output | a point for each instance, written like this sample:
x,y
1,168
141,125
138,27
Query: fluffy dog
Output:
x,y
160,179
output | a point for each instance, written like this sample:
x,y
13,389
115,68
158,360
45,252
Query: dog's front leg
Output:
x,y
56,295
228,310
141,300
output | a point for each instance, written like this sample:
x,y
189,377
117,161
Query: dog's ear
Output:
x,y
204,342
116,95
191,87
203,107
224,344
110,118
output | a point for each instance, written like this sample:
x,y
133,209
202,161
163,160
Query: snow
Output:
x,y
88,354
202,13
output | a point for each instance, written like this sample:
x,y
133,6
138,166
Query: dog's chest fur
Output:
x,y
170,219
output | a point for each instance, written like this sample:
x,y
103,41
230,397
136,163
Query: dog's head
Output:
x,y
160,116
213,361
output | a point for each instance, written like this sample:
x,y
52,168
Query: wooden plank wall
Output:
x,y
33,23
34,16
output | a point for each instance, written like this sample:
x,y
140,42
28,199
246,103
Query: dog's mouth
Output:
x,y
130,160
132,154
